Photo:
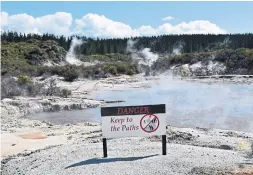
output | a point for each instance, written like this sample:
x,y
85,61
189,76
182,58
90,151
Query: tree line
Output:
x,y
158,44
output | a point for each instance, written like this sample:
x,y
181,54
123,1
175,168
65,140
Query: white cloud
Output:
x,y
99,26
94,25
4,18
146,30
58,23
168,18
193,27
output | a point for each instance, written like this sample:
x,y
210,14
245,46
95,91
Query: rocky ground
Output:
x,y
39,147
189,151
14,111
83,96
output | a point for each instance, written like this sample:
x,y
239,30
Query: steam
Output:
x,y
149,56
144,56
219,45
177,48
226,42
70,57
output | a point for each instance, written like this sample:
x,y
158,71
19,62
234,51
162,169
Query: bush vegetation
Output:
x,y
72,72
11,86
120,68
109,57
23,79
13,58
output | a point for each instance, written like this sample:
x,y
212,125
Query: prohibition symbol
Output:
x,y
149,123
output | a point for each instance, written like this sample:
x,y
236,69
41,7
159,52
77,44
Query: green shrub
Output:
x,y
130,72
112,69
122,67
23,79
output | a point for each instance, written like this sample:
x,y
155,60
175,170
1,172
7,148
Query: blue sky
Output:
x,y
233,17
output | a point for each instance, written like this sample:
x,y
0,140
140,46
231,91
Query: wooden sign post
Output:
x,y
133,121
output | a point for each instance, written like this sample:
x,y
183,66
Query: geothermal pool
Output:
x,y
188,104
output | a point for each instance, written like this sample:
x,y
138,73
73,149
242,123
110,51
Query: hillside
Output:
x,y
219,62
29,55
36,55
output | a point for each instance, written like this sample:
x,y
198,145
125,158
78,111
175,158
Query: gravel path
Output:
x,y
125,156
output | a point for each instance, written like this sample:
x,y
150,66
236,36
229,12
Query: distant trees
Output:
x,y
15,37
158,44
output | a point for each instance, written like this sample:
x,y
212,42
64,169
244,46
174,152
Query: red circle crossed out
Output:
x,y
144,128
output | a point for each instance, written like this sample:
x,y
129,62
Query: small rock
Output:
x,y
226,147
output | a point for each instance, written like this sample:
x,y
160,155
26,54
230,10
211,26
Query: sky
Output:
x,y
125,19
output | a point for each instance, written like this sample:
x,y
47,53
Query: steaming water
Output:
x,y
144,56
71,57
189,104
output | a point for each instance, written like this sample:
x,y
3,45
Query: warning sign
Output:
x,y
127,121
149,123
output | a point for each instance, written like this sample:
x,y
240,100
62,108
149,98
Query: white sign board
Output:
x,y
130,121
